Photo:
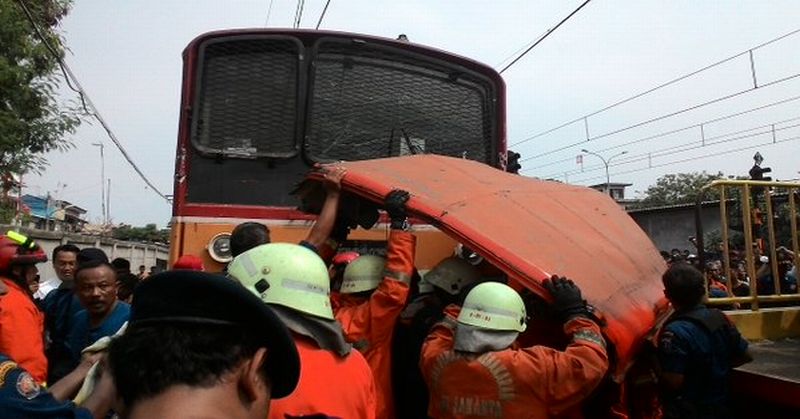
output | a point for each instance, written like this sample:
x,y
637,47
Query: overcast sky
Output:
x,y
127,55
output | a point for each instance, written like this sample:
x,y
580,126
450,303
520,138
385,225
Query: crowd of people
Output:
x,y
308,330
739,282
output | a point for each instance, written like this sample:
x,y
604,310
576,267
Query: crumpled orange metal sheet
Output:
x,y
531,229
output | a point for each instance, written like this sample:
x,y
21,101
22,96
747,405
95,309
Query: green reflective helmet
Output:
x,y
493,306
285,274
452,275
363,274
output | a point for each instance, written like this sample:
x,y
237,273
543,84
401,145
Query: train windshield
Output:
x,y
267,107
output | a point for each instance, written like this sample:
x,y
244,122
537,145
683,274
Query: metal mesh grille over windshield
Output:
x,y
248,98
369,102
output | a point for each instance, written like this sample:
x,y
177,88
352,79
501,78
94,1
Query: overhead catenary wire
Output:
x,y
661,117
672,131
693,145
543,37
322,15
519,50
269,13
86,101
298,13
658,87
669,163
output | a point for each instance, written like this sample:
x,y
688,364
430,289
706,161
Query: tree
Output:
x,y
32,121
148,233
679,188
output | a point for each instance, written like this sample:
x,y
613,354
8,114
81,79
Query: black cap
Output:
x,y
91,253
199,297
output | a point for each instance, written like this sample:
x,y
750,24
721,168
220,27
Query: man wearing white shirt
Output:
x,y
47,286
60,306
64,264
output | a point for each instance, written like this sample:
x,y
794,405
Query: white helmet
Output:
x,y
363,274
494,306
285,274
452,275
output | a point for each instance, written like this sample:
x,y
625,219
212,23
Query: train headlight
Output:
x,y
219,248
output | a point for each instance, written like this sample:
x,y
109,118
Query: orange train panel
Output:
x,y
192,237
531,229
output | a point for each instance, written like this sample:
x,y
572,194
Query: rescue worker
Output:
x,y
337,266
374,292
292,280
60,307
697,348
189,263
447,283
21,322
473,368
21,397
451,279
200,345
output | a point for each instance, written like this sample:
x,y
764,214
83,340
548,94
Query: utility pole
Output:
x,y
108,202
605,163
102,182
19,200
47,212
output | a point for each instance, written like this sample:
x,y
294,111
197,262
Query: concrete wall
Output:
x,y
670,228
137,253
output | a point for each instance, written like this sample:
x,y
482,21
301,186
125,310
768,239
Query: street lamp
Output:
x,y
605,163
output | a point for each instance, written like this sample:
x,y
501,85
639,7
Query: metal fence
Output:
x,y
752,206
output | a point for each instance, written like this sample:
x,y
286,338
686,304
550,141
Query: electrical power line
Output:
x,y
662,117
322,15
693,145
298,13
517,51
269,13
750,147
660,86
543,37
673,131
88,105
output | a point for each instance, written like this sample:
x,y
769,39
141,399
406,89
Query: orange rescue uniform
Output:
x,y
534,382
369,324
335,386
22,331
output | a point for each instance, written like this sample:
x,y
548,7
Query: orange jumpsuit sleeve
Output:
x,y
439,340
563,379
374,320
21,333
327,250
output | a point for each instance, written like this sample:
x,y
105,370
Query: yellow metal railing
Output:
x,y
765,193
